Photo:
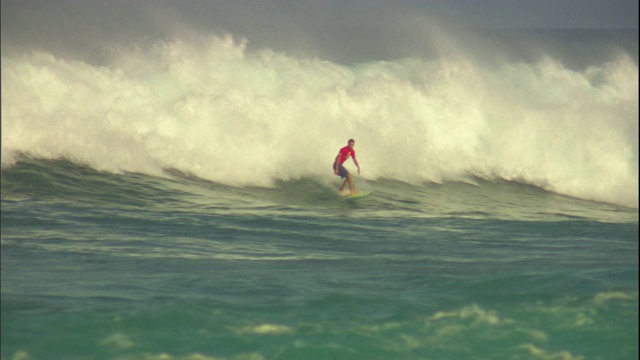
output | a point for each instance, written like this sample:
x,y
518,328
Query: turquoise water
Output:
x,y
167,194
98,265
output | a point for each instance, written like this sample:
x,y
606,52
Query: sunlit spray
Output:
x,y
211,108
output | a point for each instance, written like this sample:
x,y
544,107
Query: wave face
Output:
x,y
175,192
207,106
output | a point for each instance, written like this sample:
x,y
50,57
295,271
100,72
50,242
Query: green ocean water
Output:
x,y
97,265
166,192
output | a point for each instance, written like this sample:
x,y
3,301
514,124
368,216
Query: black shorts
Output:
x,y
342,172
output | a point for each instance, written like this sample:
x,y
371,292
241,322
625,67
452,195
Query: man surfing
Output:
x,y
340,170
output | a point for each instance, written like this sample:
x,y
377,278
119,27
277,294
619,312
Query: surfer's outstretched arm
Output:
x,y
357,165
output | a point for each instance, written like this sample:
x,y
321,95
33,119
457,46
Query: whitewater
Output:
x,y
207,106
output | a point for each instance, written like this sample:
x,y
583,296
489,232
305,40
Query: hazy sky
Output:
x,y
317,27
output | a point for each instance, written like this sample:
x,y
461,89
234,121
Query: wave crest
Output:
x,y
209,107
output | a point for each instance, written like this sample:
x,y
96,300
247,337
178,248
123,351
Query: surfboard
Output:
x,y
358,195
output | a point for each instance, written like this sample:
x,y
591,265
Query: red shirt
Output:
x,y
344,154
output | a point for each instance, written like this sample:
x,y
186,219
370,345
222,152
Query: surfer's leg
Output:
x,y
346,176
344,183
350,182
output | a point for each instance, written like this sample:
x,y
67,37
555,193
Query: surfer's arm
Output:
x,y
336,165
356,162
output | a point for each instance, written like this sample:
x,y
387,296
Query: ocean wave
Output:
x,y
208,107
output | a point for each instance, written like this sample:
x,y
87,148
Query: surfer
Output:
x,y
340,170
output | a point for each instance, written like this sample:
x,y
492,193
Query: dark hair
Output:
x,y
351,141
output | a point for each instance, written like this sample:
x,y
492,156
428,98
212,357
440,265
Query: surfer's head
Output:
x,y
351,143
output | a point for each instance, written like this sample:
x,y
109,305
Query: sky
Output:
x,y
309,27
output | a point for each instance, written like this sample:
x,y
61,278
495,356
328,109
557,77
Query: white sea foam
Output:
x,y
209,107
